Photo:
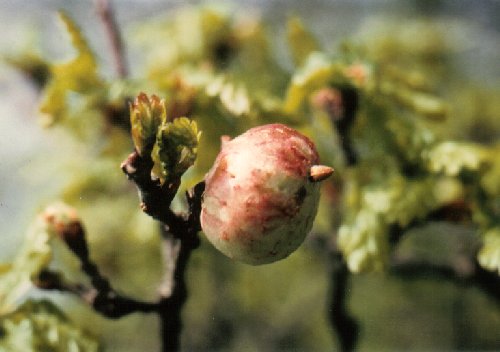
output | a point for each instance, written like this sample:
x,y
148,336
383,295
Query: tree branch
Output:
x,y
105,11
471,274
341,105
155,198
180,238
343,324
104,299
457,212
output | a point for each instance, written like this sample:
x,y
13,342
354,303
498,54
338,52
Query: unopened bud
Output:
x,y
64,222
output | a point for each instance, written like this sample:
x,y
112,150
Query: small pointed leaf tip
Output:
x,y
320,172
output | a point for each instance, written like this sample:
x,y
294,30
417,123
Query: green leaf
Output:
x,y
33,66
421,103
364,242
175,149
300,40
320,70
389,200
410,140
489,255
146,116
451,158
34,256
400,200
491,176
41,326
316,72
78,75
233,97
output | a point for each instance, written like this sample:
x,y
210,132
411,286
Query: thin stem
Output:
x,y
155,198
343,324
179,242
341,105
471,274
171,305
103,298
105,11
180,238
343,125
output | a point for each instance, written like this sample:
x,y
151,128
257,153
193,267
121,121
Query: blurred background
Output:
x,y
283,307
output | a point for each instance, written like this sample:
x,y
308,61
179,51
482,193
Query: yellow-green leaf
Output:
x,y
300,40
489,255
34,256
175,149
41,326
78,75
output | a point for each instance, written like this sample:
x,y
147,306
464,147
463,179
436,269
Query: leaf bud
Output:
x,y
146,116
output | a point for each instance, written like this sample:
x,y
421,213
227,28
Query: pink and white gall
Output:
x,y
262,194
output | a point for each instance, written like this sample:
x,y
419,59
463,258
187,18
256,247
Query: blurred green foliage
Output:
x,y
41,326
417,153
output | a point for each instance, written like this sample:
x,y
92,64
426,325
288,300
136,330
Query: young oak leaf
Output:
x,y
41,326
34,256
146,116
451,158
300,40
77,75
489,255
175,149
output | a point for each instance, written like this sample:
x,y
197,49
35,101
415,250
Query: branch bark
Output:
x,y
341,105
343,324
180,241
105,11
465,275
180,238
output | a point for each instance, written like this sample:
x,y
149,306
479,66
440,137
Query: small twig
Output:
x,y
105,11
350,107
184,239
155,198
104,300
180,238
344,325
457,212
465,275
101,295
341,105
171,305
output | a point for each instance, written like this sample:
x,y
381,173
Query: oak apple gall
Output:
x,y
262,194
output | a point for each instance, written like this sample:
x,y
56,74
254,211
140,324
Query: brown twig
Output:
x,y
155,197
101,296
343,324
180,241
105,11
341,105
471,274
180,238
